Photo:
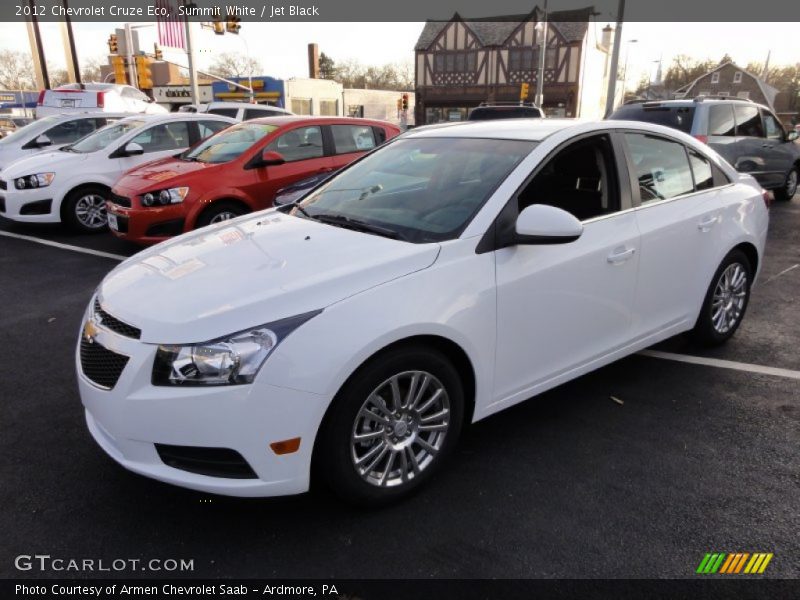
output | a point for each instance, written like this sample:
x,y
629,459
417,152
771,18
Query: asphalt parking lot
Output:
x,y
571,484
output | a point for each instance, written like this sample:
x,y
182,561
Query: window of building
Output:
x,y
661,167
328,108
455,62
737,77
748,121
301,106
581,179
298,144
352,138
355,110
550,58
522,59
715,77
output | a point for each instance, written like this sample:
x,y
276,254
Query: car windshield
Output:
x,y
103,137
230,143
677,117
35,128
417,189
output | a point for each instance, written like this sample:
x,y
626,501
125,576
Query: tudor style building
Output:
x,y
461,63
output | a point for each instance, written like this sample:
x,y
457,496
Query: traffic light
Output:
x,y
405,101
113,44
158,53
232,24
120,73
143,72
523,91
217,26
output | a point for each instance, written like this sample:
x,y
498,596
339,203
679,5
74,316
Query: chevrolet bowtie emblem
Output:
x,y
89,331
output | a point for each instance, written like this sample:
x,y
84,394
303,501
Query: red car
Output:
x,y
234,172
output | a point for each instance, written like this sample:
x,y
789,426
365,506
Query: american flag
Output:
x,y
171,30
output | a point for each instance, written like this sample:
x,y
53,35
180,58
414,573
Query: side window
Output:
x,y
71,131
298,144
661,167
748,121
256,113
380,134
720,120
352,138
209,128
167,136
772,127
581,179
225,112
701,168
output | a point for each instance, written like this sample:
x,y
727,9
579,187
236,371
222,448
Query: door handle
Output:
x,y
619,256
706,224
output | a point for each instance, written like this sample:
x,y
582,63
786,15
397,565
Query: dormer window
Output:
x,y
715,77
737,77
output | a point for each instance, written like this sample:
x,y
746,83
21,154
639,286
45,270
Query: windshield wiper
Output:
x,y
356,225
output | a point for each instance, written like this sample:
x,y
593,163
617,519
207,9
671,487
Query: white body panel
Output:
x,y
526,317
115,98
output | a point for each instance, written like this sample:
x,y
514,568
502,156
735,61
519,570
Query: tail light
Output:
x,y
40,101
767,198
101,99
702,138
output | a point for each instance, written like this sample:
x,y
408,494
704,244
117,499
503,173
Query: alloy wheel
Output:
x,y
225,215
729,298
791,183
400,429
90,210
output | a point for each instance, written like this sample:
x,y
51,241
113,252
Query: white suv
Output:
x,y
96,97
73,184
241,111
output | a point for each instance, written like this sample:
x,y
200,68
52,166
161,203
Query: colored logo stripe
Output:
x,y
734,562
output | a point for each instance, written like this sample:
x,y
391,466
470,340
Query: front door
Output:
x,y
565,306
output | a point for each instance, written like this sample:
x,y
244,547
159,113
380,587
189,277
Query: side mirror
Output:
x,y
267,158
43,141
133,149
792,136
543,224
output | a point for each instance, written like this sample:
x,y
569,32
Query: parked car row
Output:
x,y
152,177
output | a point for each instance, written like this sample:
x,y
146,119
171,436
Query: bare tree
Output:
x,y
90,70
230,64
16,71
57,76
392,76
327,67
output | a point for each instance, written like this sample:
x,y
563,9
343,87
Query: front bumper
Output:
x,y
28,206
131,418
147,225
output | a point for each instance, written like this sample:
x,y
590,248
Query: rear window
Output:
x,y
677,117
504,112
225,112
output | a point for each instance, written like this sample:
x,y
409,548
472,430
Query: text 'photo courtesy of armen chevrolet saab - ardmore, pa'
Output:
x,y
399,300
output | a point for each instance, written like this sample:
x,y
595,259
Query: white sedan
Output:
x,y
443,277
73,183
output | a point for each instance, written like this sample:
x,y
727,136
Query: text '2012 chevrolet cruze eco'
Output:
x,y
445,276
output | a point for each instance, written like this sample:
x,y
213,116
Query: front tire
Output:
x,y
391,427
785,193
84,209
726,300
219,212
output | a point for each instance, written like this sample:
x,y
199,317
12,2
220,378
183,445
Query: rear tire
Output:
x,y
372,449
726,300
219,212
785,193
84,209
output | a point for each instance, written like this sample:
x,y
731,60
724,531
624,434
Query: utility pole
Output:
x,y
542,51
129,55
190,55
612,76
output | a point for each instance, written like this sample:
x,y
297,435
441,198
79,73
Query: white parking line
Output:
x,y
63,246
793,267
722,364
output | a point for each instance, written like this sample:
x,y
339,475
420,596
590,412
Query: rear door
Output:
x,y
679,214
751,151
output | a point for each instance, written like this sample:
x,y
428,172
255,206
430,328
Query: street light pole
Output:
x,y
612,76
625,70
541,27
195,88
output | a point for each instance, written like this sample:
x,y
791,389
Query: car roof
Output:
x,y
700,101
510,129
229,104
177,116
291,119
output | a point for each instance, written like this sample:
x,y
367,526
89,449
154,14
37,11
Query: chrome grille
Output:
x,y
110,322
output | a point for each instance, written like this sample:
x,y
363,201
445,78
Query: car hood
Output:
x,y
44,162
158,173
248,272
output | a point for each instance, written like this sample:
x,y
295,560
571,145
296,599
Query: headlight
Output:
x,y
234,359
164,197
38,180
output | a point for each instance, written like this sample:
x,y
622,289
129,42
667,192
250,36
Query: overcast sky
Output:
x,y
281,47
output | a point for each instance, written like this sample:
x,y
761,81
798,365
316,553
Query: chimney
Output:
x,y
605,39
313,61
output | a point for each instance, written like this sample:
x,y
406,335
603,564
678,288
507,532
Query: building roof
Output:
x,y
494,31
766,89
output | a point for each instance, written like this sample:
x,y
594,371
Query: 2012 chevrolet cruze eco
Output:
x,y
450,274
